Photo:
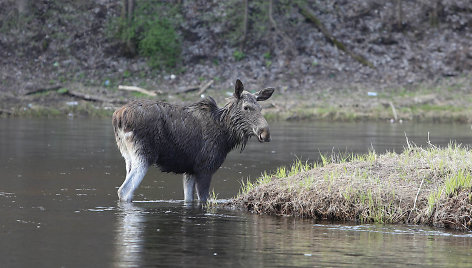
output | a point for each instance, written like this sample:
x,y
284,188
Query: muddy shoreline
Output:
x,y
446,100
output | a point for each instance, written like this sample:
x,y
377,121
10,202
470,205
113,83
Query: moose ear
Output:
x,y
264,94
238,89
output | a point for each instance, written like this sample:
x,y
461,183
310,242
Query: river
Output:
x,y
59,206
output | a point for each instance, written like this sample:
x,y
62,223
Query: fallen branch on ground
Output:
x,y
42,90
92,98
86,97
394,112
204,87
3,111
138,89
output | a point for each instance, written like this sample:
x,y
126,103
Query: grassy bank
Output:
x,y
430,186
443,101
328,112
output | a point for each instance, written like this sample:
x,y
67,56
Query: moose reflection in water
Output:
x,y
193,140
129,239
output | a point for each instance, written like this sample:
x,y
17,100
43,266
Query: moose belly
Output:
x,y
176,163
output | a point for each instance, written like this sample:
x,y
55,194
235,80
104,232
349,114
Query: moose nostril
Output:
x,y
264,135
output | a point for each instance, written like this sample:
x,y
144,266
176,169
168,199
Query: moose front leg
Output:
x,y
203,187
189,187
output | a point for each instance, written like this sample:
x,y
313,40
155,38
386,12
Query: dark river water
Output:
x,y
58,204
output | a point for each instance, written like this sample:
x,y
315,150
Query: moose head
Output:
x,y
248,111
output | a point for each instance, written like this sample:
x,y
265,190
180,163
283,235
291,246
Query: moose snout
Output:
x,y
263,135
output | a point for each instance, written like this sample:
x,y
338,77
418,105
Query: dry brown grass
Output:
x,y
421,186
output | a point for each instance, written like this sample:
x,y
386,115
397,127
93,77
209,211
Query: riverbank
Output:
x,y
446,100
429,186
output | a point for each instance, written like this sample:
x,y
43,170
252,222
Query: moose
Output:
x,y
192,140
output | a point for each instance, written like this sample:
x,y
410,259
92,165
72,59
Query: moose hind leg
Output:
x,y
203,187
128,163
134,177
189,187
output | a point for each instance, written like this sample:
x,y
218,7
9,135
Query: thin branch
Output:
x,y
393,111
416,198
137,89
204,87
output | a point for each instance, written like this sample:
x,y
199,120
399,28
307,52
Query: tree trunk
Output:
x,y
243,40
127,18
130,10
434,15
124,9
271,18
399,14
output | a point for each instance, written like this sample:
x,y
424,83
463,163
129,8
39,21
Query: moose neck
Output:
x,y
233,121
228,122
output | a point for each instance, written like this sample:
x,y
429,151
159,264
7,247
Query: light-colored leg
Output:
x,y
128,163
126,144
133,179
123,142
189,187
202,183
